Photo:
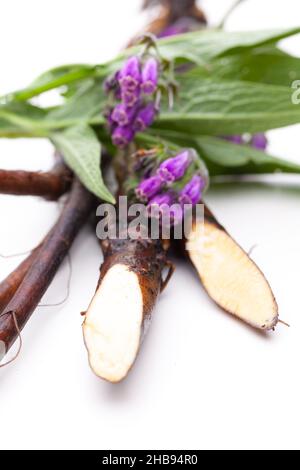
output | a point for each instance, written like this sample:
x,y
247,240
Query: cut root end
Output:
x,y
113,325
230,277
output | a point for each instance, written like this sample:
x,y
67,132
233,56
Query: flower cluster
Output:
x,y
133,88
170,185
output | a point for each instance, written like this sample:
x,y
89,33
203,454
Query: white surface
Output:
x,y
203,380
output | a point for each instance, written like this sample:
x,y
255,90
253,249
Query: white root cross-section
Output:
x,y
230,277
113,324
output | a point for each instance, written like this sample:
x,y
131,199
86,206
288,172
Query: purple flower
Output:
x,y
130,98
148,188
160,203
149,76
172,31
130,75
176,214
122,136
192,192
259,141
235,139
145,117
183,25
174,168
123,115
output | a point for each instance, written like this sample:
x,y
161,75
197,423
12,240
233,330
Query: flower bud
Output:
x,y
148,188
160,203
149,76
123,115
192,191
122,136
174,168
130,98
144,118
130,75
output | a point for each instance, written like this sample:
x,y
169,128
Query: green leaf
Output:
x,y
86,104
229,158
213,107
205,45
82,152
22,118
198,47
226,158
264,65
54,78
9,130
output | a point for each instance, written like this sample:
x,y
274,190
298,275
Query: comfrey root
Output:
x,y
49,185
229,275
44,265
120,312
11,283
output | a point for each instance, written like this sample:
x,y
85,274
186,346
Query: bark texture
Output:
x,y
49,185
11,283
44,267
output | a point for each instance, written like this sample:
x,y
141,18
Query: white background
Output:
x,y
203,379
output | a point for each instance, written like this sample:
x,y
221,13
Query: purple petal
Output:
x,y
172,31
192,191
123,115
259,141
130,98
130,74
160,203
122,136
235,139
163,198
176,214
144,118
148,188
174,168
149,76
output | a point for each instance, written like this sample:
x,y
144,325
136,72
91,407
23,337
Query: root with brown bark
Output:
x,y
120,312
49,185
44,265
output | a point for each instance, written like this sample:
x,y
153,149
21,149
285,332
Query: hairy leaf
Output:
x,y
82,152
54,78
86,106
22,118
215,107
226,158
198,47
205,45
264,65
241,159
87,103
